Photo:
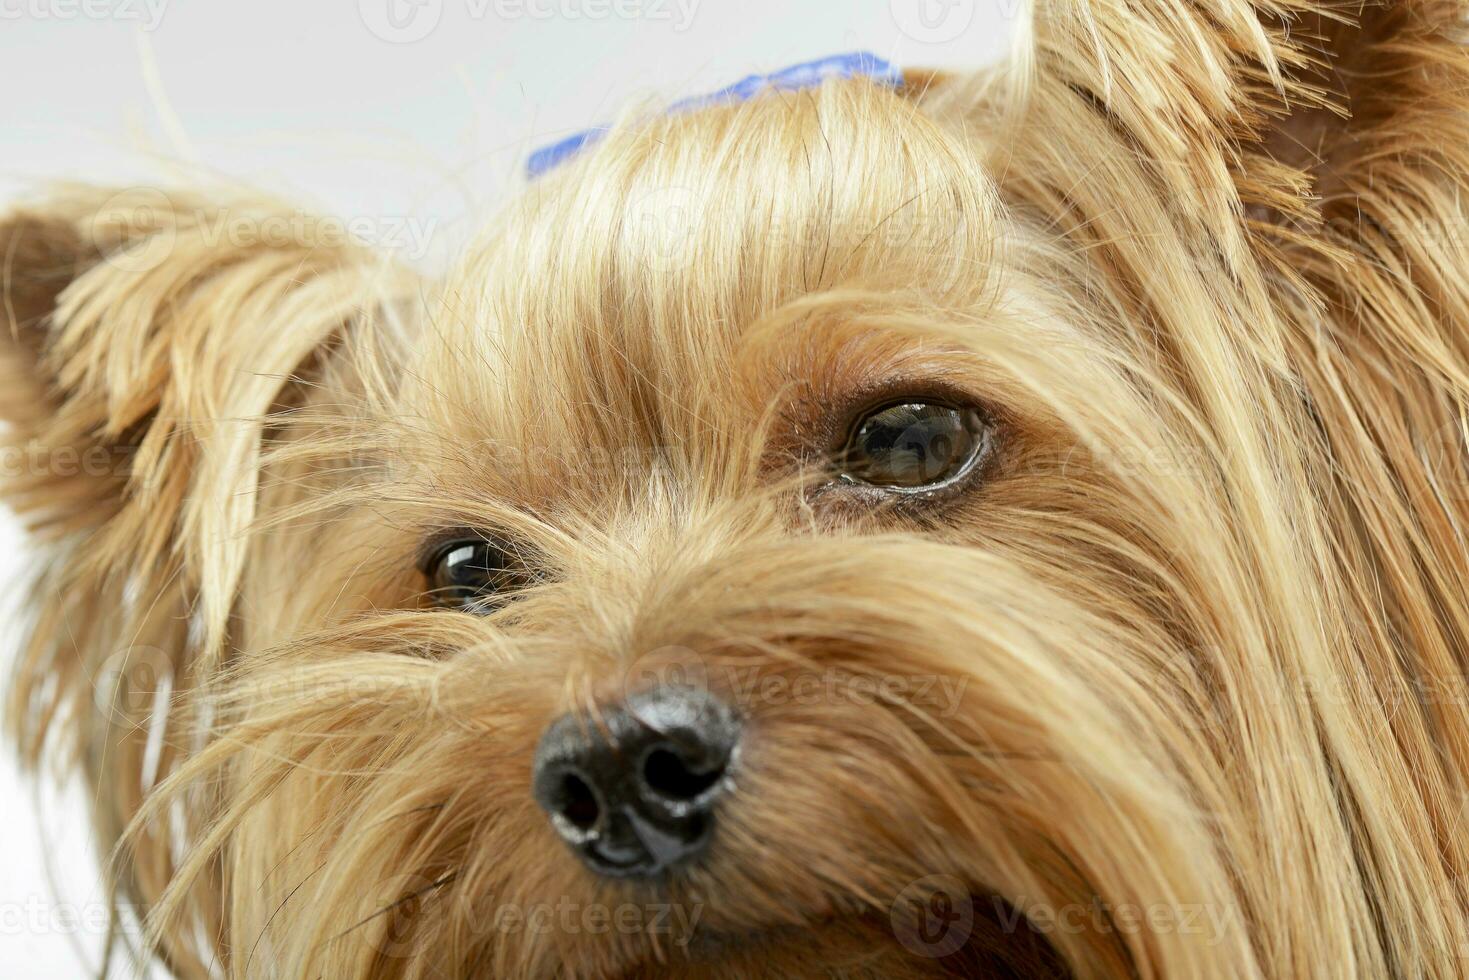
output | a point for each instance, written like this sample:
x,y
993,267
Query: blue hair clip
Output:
x,y
804,75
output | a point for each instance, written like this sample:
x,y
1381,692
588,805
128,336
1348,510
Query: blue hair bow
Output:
x,y
804,75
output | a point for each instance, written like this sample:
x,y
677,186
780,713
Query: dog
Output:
x,y
993,524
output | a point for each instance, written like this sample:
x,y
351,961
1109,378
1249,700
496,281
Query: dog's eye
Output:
x,y
471,572
915,445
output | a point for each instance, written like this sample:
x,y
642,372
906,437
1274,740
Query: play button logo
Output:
x,y
401,21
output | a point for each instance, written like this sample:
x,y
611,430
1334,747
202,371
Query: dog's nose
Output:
x,y
633,787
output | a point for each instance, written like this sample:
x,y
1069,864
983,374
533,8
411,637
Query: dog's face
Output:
x,y
730,540
698,547
856,533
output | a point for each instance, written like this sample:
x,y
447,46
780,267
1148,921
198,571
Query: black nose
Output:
x,y
633,788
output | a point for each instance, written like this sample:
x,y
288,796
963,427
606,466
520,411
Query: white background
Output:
x,y
410,117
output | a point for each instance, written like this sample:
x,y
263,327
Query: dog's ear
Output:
x,y
1275,105
142,327
148,336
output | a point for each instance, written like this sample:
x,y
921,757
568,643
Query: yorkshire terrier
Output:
x,y
858,526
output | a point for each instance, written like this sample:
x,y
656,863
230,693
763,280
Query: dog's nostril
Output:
x,y
577,803
634,791
666,773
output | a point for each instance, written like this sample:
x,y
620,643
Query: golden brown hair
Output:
x,y
1203,614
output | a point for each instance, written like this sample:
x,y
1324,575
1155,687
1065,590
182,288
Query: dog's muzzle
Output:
x,y
632,788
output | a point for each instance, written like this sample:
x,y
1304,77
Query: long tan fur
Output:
x,y
1205,615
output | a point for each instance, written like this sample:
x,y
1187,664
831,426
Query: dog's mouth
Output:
x,y
985,938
